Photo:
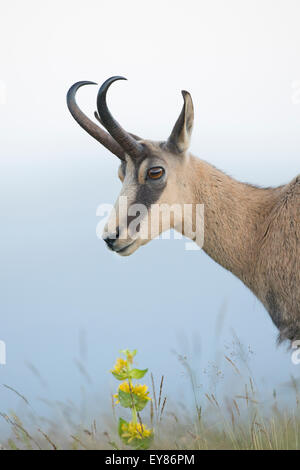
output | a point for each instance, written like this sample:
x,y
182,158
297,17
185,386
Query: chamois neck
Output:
x,y
233,217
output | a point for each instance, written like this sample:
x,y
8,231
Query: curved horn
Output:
x,y
136,137
88,125
127,142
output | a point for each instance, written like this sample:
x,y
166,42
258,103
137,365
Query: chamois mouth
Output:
x,y
125,249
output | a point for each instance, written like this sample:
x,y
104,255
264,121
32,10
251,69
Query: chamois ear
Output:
x,y
180,137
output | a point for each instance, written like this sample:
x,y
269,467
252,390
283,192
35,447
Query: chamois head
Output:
x,y
151,172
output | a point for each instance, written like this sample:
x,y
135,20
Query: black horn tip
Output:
x,y
104,87
72,90
185,93
81,83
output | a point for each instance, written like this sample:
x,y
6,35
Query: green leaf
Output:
x,y
120,376
142,443
137,373
136,443
140,404
127,400
121,422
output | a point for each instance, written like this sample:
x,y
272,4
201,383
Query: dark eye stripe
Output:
x,y
148,194
155,172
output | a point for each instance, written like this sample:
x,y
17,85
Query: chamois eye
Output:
x,y
155,173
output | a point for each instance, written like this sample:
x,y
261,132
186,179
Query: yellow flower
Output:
x,y
132,431
139,390
130,356
120,366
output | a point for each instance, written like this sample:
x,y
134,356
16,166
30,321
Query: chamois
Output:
x,y
252,232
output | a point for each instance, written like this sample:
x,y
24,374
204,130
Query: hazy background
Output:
x,y
64,296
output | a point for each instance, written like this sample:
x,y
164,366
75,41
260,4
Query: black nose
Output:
x,y
112,237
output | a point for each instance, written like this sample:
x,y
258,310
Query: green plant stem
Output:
x,y
133,408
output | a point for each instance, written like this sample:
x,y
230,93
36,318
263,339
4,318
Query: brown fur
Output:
x,y
255,234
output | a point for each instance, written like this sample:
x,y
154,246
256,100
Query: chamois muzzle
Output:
x,y
124,139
